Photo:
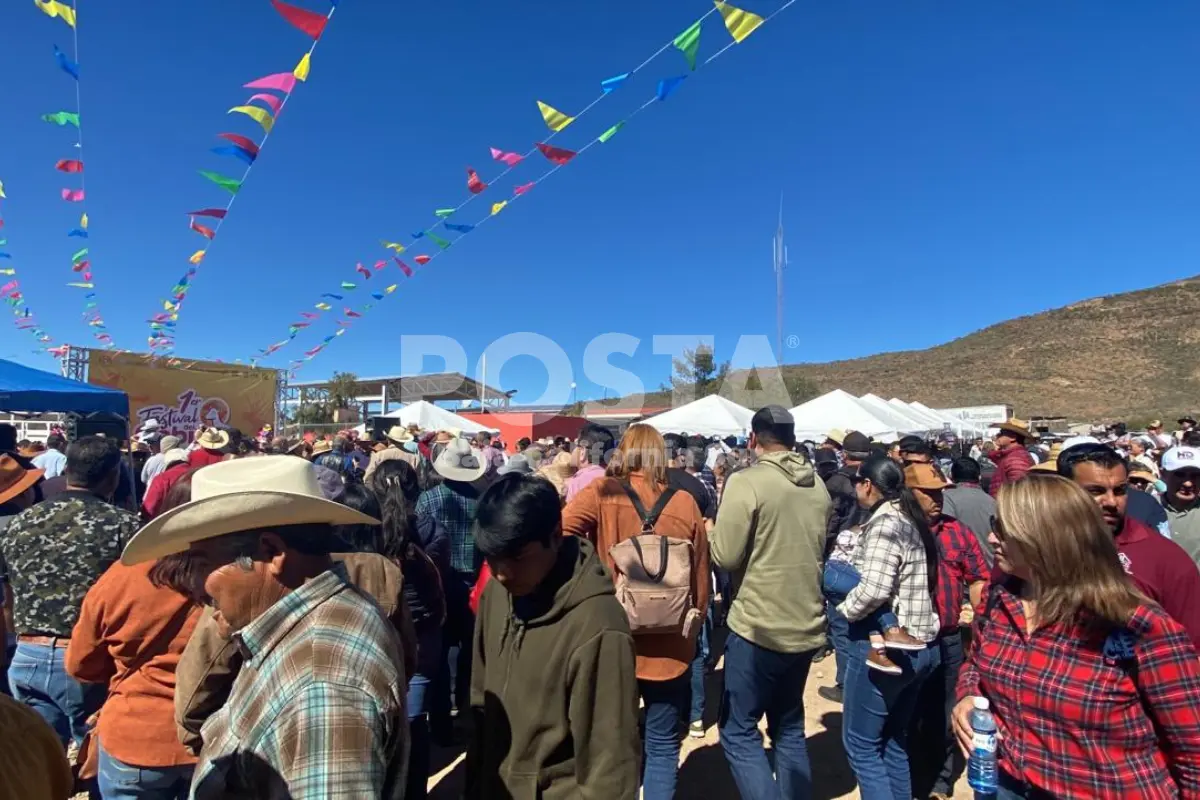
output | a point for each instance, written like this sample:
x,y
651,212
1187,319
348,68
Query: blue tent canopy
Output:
x,y
27,389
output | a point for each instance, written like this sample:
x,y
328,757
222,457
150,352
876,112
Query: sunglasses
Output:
x,y
1139,482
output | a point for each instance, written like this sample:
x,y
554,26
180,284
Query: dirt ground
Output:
x,y
703,772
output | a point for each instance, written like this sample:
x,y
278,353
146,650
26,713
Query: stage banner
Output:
x,y
190,394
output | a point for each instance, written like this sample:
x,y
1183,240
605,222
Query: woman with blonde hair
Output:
x,y
1095,689
612,510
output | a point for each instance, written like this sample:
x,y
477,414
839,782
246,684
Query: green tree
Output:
x,y
343,389
698,373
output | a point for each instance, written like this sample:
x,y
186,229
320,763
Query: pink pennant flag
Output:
x,y
314,351
405,268
87,276
523,188
72,195
351,312
309,315
270,100
280,82
380,264
474,185
361,270
422,260
215,213
8,288
81,266
511,159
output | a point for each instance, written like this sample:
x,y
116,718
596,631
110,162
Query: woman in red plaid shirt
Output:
x,y
1095,689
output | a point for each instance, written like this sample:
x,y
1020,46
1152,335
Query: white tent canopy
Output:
x,y
931,421
839,409
901,421
429,417
960,426
708,416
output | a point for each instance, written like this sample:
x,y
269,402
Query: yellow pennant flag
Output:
x,y
399,248
8,272
2,194
322,306
197,256
498,207
53,8
340,331
555,119
83,222
391,288
300,73
257,114
739,22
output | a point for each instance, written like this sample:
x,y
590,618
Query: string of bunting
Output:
x,y
11,294
83,273
271,94
739,23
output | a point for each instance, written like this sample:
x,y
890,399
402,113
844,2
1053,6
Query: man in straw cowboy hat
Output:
x,y
399,439
319,656
452,505
1010,456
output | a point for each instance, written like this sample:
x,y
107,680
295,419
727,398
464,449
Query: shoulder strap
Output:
x,y
651,517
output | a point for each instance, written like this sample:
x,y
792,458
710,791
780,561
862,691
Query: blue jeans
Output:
x,y
666,702
837,581
700,666
839,634
121,781
37,678
759,681
877,710
418,727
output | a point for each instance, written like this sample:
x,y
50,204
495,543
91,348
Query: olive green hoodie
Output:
x,y
554,696
770,534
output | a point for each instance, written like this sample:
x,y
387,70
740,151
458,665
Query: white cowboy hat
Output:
x,y
241,495
213,439
399,434
150,425
460,462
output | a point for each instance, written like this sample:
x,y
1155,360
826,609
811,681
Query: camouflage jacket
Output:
x,y
52,554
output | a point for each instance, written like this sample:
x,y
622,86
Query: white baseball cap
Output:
x,y
1181,458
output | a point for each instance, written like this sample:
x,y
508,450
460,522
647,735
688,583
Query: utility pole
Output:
x,y
781,261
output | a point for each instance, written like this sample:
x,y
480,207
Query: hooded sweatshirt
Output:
x,y
554,696
770,534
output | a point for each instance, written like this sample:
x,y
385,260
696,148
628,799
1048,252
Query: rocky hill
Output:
x,y
1125,356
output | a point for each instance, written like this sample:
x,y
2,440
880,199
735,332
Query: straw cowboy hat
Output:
x,y
836,435
1051,462
241,495
399,434
1016,427
213,439
460,462
14,479
322,446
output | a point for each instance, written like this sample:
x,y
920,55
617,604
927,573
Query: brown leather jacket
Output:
x,y
211,662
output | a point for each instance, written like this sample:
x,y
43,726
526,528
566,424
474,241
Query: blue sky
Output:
x,y
946,165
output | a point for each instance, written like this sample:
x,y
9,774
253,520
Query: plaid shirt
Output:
x,y
317,709
1083,716
454,509
891,560
960,563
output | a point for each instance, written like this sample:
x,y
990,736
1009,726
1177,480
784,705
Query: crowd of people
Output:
x,y
238,616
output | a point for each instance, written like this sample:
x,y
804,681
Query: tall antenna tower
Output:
x,y
781,262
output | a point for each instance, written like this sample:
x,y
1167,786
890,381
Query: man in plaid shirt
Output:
x,y
933,756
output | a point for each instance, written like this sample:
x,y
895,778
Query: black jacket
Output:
x,y
846,510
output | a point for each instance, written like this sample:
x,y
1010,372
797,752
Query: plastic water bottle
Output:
x,y
981,767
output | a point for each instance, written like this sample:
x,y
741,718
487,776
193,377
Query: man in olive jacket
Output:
x,y
770,534
554,694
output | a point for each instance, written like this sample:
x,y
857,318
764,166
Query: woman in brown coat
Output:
x,y
604,514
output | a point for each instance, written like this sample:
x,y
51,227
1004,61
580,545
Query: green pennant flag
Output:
x,y
439,241
443,212
611,132
688,43
230,185
79,256
62,118
347,285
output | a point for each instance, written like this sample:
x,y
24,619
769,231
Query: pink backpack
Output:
x,y
653,573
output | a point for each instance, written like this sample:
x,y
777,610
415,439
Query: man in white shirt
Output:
x,y
54,460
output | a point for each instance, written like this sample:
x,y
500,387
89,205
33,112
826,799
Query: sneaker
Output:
x,y
696,730
898,639
877,659
834,693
